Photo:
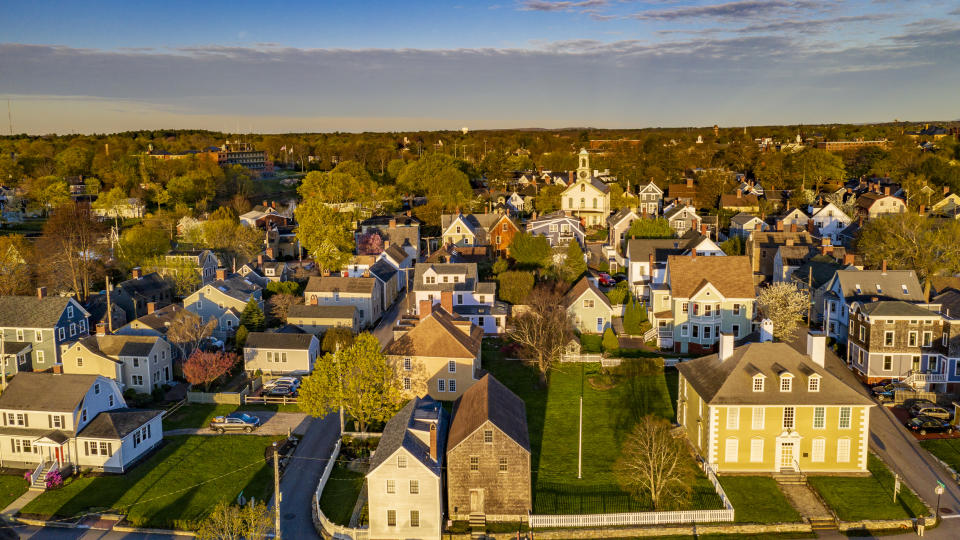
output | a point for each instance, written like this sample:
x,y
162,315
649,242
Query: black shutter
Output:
x,y
49,420
26,420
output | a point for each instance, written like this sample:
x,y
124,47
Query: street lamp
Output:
x,y
939,491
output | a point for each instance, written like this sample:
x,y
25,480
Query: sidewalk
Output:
x,y
13,508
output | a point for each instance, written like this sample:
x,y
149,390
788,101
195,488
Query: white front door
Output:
x,y
786,455
476,501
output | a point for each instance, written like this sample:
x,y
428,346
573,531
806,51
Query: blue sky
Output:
x,y
353,66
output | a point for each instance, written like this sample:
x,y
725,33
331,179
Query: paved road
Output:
x,y
384,330
302,475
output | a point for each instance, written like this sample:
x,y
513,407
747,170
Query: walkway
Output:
x,y
802,498
23,500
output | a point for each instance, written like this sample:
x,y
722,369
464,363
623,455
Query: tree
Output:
x,y
543,329
494,169
911,242
532,251
610,343
514,286
111,202
205,367
651,228
437,177
501,265
815,166
633,318
240,337
619,294
280,304
733,245
73,249
74,161
47,192
284,287
358,380
229,522
187,330
336,338
141,244
15,271
548,199
252,317
179,272
325,233
370,243
654,463
785,304
573,264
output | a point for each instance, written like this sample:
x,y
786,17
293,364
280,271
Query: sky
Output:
x,y
308,66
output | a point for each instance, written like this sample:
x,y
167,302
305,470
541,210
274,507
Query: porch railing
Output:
x,y
36,473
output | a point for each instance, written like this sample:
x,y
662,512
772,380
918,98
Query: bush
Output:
x,y
610,343
619,294
634,318
515,286
500,266
157,394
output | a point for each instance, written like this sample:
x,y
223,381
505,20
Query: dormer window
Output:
x,y
786,383
905,290
857,287
813,384
758,383
879,289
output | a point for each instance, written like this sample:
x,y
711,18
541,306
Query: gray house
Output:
x,y
849,286
558,228
224,300
141,289
35,330
682,219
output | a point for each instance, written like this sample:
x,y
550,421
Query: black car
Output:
x,y
928,424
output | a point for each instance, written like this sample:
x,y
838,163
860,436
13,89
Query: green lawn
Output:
x,y
11,488
340,494
175,488
198,415
757,499
611,407
948,450
855,498
591,343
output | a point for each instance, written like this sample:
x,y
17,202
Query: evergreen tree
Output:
x,y
252,317
610,343
573,266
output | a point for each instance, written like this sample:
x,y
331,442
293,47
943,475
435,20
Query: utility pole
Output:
x,y
109,310
810,299
580,430
276,490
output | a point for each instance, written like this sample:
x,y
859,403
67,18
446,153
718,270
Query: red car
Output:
x,y
605,279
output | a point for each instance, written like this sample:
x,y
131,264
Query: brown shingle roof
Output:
x,y
729,200
489,399
730,275
358,285
437,336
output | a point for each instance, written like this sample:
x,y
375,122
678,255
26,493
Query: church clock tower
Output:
x,y
583,171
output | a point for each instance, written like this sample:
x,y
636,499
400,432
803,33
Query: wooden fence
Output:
x,y
231,398
902,396
331,529
269,399
642,518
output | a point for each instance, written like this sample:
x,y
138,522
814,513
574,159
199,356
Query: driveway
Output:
x,y
300,480
384,330
271,423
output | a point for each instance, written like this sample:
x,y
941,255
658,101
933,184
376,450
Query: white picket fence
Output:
x,y
337,532
642,518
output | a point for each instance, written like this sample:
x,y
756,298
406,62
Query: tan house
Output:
x,y
765,407
141,363
280,353
438,351
488,455
405,482
318,319
872,204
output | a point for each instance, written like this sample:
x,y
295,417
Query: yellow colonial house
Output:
x,y
767,408
587,197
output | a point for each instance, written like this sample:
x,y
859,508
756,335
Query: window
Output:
x,y
845,413
407,364
137,380
38,336
818,450
105,448
843,450
414,487
96,388
684,330
488,436
21,419
786,383
136,439
407,385
927,338
452,385
706,332
136,361
863,333
73,329
588,304
733,418
933,364
707,310
401,462
452,366
819,417
414,517
441,385
730,451
757,382
788,417
39,357
391,518
758,417
474,463
756,450
56,421
736,330
736,309
888,338
60,334
70,311
813,384
110,400
887,362
19,335
502,467
912,340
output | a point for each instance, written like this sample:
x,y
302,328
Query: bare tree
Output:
x,y
73,250
230,522
543,328
187,330
280,304
654,463
784,304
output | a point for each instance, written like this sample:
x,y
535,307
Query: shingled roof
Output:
x,y
489,400
352,285
117,423
54,392
416,415
582,287
307,311
438,335
730,275
32,311
275,340
115,346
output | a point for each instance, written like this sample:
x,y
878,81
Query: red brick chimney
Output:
x,y
703,229
883,266
433,442
386,244
811,228
101,329
946,190
571,177
886,190
270,253
41,292
137,273
780,225
739,193
426,308
693,253
314,301
260,260
923,209
392,223
273,204
265,204
221,273
689,182
849,258
446,301
58,369
151,307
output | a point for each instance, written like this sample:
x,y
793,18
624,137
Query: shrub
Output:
x,y
500,266
515,286
610,343
634,317
619,294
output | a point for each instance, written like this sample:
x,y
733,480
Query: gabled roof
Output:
x,y
580,288
730,382
53,392
438,335
383,270
416,415
236,287
651,186
868,199
355,285
33,311
275,340
147,285
670,214
160,319
824,267
896,308
117,423
744,200
949,301
743,218
302,311
890,285
489,400
116,345
468,270
780,238
396,253
624,213
731,276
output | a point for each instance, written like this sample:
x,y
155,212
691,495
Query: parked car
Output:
x,y
281,390
282,381
605,279
927,424
926,408
235,421
888,391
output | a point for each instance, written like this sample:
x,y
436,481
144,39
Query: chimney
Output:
x,y
273,204
780,225
571,177
849,191
703,229
386,244
816,347
265,204
425,308
446,301
883,267
58,369
366,273
849,259
886,190
534,215
314,301
946,190
151,307
326,273
726,346
690,182
793,227
270,253
41,292
221,273
650,267
693,253
739,193
811,227
923,209
260,260
344,273
101,328
433,441
860,221
788,205
137,273
789,242
393,223
766,330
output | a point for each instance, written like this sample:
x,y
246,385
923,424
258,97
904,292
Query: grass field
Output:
x,y
611,407
198,415
175,488
947,450
757,499
340,494
855,498
11,488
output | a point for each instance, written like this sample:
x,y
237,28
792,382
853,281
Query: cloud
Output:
x,y
809,26
557,5
741,9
